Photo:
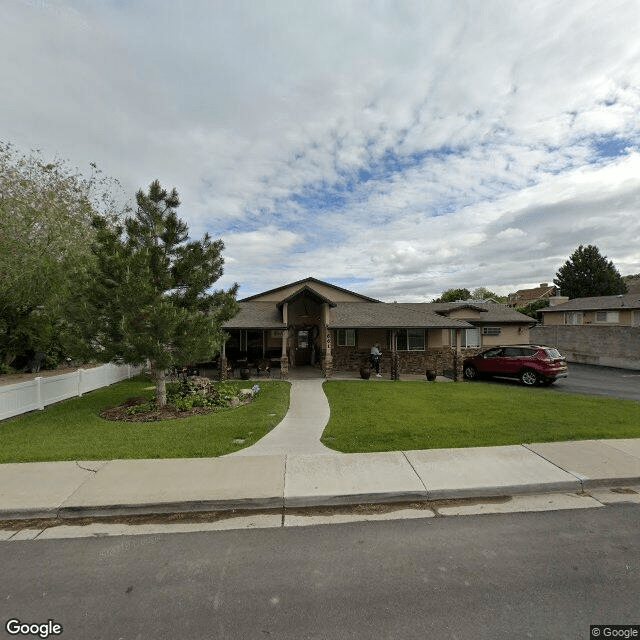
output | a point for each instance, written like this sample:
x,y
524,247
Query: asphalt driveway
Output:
x,y
591,380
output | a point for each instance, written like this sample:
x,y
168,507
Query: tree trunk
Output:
x,y
161,385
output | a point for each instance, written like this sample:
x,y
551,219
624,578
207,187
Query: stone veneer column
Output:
x,y
327,361
457,358
284,359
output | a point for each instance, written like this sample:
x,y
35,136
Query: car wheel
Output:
x,y
470,372
528,377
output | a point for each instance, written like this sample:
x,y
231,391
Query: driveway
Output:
x,y
590,380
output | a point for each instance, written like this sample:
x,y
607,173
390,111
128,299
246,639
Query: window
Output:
x,y
410,340
636,318
608,316
574,317
470,338
491,331
346,337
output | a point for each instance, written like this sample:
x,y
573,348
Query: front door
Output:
x,y
303,347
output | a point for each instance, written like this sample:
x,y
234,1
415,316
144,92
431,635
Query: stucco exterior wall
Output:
x,y
611,346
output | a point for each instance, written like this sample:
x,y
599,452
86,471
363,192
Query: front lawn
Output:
x,y
396,416
73,429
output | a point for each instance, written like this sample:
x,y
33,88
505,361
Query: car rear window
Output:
x,y
553,353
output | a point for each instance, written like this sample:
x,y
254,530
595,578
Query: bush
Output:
x,y
188,394
147,407
5,369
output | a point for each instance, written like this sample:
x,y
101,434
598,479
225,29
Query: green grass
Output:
x,y
394,416
73,429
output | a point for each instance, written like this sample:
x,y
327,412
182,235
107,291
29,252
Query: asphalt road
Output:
x,y
537,575
591,380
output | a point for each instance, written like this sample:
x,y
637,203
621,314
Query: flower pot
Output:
x,y
431,375
365,373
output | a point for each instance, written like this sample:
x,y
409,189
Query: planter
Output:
x,y
431,375
365,373
245,373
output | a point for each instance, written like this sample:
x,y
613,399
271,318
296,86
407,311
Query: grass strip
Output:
x,y
395,416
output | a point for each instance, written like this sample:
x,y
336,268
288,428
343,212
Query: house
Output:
x,y
621,310
523,297
603,330
311,322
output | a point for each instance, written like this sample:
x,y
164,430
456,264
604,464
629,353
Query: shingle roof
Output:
x,y
628,301
256,315
353,315
490,311
309,281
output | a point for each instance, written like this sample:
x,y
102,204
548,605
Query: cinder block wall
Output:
x,y
605,346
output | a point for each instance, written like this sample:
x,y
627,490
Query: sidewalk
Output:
x,y
290,468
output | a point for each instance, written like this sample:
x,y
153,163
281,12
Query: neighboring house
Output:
x,y
311,322
523,297
603,330
621,310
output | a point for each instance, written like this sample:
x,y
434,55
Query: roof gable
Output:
x,y
325,290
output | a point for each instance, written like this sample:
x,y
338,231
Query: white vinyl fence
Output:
x,y
42,391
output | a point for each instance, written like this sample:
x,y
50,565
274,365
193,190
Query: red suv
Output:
x,y
531,363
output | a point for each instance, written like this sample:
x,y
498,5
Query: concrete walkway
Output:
x,y
300,430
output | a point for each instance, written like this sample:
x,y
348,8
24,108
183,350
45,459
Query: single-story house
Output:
x,y
311,322
603,330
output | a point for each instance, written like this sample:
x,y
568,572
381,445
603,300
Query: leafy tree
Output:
x,y
587,273
533,309
452,295
147,295
482,293
45,235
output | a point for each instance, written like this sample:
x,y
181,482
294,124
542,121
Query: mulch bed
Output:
x,y
168,412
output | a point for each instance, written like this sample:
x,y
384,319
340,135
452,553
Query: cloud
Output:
x,y
405,147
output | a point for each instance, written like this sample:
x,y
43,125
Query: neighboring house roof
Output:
x,y
492,312
355,315
256,315
524,297
598,303
309,282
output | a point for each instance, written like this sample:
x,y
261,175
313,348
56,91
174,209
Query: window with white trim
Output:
x,y
346,337
491,331
469,338
410,340
608,316
635,319
574,317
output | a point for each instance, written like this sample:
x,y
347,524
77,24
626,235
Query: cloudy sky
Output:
x,y
398,148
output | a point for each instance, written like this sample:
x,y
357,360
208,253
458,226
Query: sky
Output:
x,y
395,148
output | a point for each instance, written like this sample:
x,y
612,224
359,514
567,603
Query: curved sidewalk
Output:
x,y
300,430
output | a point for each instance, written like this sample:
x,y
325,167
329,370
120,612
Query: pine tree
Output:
x,y
587,273
148,296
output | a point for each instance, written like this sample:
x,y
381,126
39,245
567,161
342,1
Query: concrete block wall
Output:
x,y
611,346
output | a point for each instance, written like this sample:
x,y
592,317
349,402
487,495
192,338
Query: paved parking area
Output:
x,y
592,381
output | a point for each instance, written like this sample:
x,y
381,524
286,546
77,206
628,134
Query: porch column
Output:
x,y
395,359
284,358
457,357
327,361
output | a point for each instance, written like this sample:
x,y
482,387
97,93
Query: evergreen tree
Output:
x,y
587,273
147,298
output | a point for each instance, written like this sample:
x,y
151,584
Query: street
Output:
x,y
534,575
